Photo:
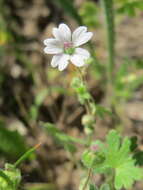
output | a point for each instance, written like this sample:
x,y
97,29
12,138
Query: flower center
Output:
x,y
68,48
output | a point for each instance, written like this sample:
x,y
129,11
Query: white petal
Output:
x,y
52,50
57,34
77,60
52,41
82,52
63,62
82,38
79,57
53,46
79,31
63,33
55,60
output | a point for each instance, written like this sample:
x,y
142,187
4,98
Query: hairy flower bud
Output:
x,y
88,120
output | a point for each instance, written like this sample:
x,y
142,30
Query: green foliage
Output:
x,y
39,98
5,35
12,143
127,80
105,187
84,96
134,144
89,14
92,187
116,156
102,111
93,160
81,90
61,138
89,186
138,156
126,174
88,159
130,7
4,179
10,178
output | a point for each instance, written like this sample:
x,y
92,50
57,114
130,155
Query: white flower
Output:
x,y
65,46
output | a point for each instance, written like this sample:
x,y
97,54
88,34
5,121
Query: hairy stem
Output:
x,y
87,103
110,30
110,179
87,179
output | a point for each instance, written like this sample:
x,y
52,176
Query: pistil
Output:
x,y
68,48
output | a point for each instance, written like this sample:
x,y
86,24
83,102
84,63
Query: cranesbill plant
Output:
x,y
113,159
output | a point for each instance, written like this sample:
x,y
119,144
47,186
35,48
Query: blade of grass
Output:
x,y
26,155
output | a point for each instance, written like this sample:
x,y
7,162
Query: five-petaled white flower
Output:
x,y
65,46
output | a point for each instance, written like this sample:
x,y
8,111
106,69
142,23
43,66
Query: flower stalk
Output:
x,y
87,102
87,179
110,179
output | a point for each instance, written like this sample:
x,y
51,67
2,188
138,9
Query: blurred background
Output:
x,y
31,91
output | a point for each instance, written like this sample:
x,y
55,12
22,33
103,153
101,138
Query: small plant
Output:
x,y
10,176
114,158
117,159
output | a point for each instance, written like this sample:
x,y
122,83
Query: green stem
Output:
x,y
110,30
87,103
112,182
87,179
110,179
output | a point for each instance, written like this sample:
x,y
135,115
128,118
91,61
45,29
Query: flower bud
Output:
x,y
88,120
88,130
